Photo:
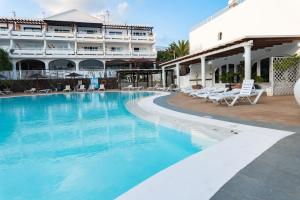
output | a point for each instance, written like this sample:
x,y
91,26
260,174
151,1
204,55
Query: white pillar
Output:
x,y
178,75
163,77
15,70
104,68
258,70
77,65
247,56
203,77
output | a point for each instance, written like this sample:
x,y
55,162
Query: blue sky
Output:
x,y
172,19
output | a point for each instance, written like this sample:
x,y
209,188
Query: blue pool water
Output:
x,y
81,146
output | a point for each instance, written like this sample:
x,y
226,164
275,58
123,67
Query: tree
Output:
x,y
175,50
5,64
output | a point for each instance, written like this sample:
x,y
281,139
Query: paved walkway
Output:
x,y
275,175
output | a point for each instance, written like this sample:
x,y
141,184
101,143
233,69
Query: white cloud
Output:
x,y
97,8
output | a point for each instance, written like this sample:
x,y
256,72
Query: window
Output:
x,y
61,30
115,33
116,49
136,49
32,29
220,36
90,48
139,33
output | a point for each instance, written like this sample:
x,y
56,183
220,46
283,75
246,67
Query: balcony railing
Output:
x,y
29,51
55,35
117,37
89,36
142,38
89,52
60,51
118,53
144,54
35,34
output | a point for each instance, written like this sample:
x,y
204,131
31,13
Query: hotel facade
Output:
x,y
73,41
252,35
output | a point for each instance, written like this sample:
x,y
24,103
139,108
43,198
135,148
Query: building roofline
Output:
x,y
269,40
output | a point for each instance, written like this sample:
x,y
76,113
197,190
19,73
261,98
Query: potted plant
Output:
x,y
197,86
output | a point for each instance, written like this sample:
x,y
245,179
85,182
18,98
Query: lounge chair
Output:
x,y
81,88
67,88
2,93
209,93
7,91
202,91
244,94
153,88
102,87
31,91
129,87
46,91
91,88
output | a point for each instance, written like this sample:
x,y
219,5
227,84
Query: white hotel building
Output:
x,y
73,41
249,33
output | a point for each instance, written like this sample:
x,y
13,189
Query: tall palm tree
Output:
x,y
179,49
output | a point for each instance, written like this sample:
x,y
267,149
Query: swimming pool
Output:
x,y
81,146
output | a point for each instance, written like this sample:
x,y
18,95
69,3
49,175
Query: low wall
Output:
x,y
21,85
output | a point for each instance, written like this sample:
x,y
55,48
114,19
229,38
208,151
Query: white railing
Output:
x,y
56,35
60,51
29,51
89,36
142,38
144,54
35,34
4,33
89,52
217,14
117,37
118,53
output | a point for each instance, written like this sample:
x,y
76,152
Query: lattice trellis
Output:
x,y
286,72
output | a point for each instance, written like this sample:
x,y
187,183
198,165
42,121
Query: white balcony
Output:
x,y
144,54
118,53
55,35
28,51
142,38
4,33
27,34
60,51
89,36
117,37
89,52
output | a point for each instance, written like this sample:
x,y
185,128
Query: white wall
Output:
x,y
250,18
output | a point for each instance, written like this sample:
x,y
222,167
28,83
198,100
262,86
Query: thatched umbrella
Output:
x,y
74,75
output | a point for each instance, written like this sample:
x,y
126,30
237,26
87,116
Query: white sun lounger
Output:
x,y
206,95
2,93
246,92
202,91
46,91
81,88
102,87
31,91
67,88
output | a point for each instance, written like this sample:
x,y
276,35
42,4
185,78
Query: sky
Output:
x,y
172,19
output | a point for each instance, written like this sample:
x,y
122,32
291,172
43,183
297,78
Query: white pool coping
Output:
x,y
201,175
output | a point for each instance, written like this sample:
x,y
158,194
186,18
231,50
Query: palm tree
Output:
x,y
179,49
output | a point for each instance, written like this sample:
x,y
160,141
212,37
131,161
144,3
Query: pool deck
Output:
x,y
206,174
276,173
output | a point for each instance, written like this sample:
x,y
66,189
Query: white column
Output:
x,y
258,70
104,68
163,77
77,65
203,77
15,70
178,75
247,56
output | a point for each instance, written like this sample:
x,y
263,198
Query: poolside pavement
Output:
x,y
276,173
